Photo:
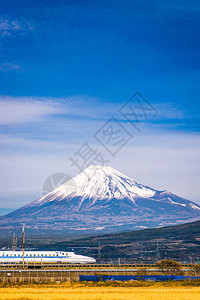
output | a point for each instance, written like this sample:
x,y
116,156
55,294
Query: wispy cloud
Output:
x,y
77,110
7,67
8,26
25,110
12,28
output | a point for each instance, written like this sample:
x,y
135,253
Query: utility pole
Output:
x,y
23,243
14,242
99,251
142,254
157,251
119,261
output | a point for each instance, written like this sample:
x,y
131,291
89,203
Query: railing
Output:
x,y
45,265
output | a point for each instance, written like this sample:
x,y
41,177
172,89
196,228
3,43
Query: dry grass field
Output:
x,y
98,293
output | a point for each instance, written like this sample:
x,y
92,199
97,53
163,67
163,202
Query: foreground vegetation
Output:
x,y
98,293
108,290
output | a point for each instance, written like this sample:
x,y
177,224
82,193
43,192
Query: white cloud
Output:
x,y
169,111
25,110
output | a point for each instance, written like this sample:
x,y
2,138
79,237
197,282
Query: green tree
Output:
x,y
169,267
195,270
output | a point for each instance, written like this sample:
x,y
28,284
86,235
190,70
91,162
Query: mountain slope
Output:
x,y
179,242
102,199
188,232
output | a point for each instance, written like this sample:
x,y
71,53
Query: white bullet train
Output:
x,y
44,256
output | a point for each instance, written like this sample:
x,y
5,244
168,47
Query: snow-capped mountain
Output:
x,y
96,184
103,199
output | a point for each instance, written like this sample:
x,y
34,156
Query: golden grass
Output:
x,y
97,293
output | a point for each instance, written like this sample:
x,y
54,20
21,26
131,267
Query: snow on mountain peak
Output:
x,y
103,182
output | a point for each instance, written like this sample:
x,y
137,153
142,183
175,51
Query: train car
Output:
x,y
44,256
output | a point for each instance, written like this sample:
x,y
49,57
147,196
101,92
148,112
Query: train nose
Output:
x,y
89,259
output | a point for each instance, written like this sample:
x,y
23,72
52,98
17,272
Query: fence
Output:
x,y
84,274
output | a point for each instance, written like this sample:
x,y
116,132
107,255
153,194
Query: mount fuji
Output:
x,y
101,199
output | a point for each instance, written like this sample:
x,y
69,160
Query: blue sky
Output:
x,y
68,66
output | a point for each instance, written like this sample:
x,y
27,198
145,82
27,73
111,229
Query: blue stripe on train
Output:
x,y
33,257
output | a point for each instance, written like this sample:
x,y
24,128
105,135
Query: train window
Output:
x,y
6,254
42,255
30,254
45,254
53,254
38,254
18,254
